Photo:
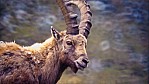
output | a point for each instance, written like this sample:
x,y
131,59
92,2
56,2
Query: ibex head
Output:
x,y
74,41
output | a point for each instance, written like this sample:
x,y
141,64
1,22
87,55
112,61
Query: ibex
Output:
x,y
44,63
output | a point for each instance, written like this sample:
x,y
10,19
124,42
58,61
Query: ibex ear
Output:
x,y
55,33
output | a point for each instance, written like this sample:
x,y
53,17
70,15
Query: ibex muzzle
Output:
x,y
81,63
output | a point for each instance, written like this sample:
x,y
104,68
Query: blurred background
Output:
x,y
118,45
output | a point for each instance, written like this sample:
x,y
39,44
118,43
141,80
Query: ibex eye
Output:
x,y
69,42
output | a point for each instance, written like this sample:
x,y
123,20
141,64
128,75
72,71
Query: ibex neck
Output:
x,y
53,68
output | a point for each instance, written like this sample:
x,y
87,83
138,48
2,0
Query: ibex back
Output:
x,y
44,63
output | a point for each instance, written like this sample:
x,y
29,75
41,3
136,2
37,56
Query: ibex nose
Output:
x,y
85,60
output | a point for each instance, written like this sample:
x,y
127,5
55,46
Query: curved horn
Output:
x,y
70,17
85,22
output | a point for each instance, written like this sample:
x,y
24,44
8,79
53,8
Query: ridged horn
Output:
x,y
85,22
69,16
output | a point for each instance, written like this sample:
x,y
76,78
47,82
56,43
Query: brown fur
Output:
x,y
41,63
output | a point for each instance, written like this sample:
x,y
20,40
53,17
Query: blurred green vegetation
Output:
x,y
111,51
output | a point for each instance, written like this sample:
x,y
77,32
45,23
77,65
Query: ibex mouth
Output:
x,y
80,65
